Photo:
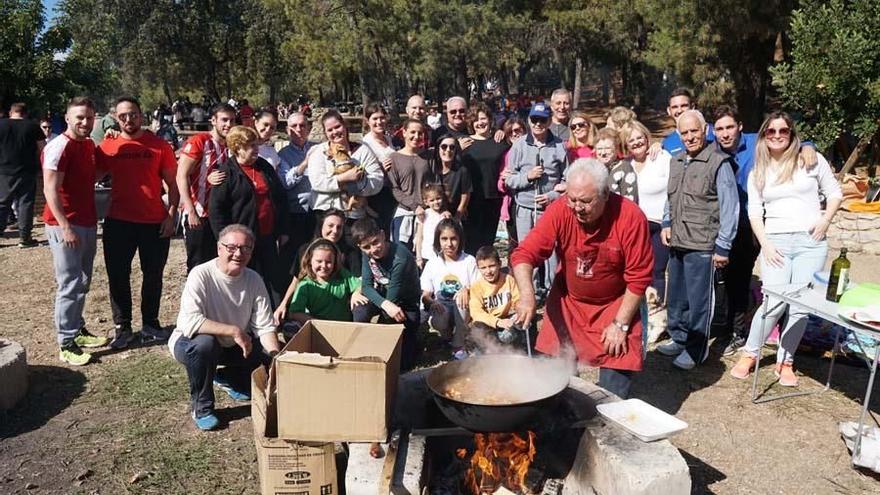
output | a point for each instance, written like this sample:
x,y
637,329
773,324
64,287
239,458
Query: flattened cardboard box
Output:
x,y
286,467
336,381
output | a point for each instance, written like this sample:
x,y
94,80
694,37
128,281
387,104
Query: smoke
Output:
x,y
505,374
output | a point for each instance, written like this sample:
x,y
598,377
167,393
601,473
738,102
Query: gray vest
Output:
x,y
693,199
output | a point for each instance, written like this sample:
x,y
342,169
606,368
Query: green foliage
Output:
x,y
833,78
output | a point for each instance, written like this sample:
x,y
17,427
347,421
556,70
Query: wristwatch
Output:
x,y
623,327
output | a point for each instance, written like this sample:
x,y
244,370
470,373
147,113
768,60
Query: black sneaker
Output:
x,y
736,342
122,337
150,333
28,243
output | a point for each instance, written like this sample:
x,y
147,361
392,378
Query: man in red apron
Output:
x,y
605,261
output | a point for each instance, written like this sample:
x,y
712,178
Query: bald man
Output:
x,y
416,110
699,225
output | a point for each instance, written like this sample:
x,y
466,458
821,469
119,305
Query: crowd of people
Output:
x,y
402,226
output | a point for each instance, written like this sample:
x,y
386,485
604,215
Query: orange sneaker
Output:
x,y
744,366
785,373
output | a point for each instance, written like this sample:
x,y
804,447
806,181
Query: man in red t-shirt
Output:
x,y
196,167
71,226
605,262
139,220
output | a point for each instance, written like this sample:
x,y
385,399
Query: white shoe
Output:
x,y
671,348
684,361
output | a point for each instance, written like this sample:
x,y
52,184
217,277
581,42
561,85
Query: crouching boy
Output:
x,y
492,305
225,318
390,280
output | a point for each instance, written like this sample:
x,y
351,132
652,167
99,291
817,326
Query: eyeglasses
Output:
x,y
458,111
294,126
538,120
781,132
447,147
232,248
578,125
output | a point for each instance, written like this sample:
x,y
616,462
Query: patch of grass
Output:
x,y
142,382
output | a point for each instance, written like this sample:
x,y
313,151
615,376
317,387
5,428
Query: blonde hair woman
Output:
x,y
786,218
583,137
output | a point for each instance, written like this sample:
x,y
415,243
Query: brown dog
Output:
x,y
341,162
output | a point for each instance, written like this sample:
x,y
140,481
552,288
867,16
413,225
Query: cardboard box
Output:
x,y
337,381
287,467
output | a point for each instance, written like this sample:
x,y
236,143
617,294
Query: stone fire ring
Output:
x,y
609,461
13,369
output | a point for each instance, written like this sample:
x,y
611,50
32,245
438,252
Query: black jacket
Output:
x,y
234,201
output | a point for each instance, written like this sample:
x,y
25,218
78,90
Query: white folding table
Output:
x,y
815,303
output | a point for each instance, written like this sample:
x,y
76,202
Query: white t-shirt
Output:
x,y
792,206
210,294
432,219
653,182
268,153
381,152
445,278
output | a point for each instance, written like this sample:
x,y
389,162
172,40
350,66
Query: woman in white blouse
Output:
x,y
378,139
786,218
648,181
266,124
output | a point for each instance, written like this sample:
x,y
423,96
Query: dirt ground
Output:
x,y
122,425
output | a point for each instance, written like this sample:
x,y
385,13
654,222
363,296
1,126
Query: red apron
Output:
x,y
586,294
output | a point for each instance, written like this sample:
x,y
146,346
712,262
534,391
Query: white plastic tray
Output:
x,y
641,419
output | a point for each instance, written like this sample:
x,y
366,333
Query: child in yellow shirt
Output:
x,y
492,303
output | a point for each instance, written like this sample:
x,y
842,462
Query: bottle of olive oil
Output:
x,y
839,277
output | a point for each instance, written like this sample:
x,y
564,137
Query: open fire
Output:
x,y
499,459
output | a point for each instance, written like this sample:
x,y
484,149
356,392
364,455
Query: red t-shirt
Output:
x,y
208,154
265,210
76,160
136,166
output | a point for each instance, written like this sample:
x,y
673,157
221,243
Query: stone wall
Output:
x,y
858,232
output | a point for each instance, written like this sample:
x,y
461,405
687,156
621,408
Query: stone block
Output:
x,y
613,462
14,373
363,475
410,471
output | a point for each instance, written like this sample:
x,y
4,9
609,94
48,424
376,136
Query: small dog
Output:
x,y
341,162
656,325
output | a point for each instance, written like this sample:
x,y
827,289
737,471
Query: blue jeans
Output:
x,y
690,300
801,258
661,259
202,354
73,274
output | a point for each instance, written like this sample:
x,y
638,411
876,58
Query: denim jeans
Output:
x,y
202,354
73,274
409,348
690,300
801,258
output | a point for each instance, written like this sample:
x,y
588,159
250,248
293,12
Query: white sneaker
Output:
x,y
684,361
671,348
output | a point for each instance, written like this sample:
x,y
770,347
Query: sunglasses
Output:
x,y
232,248
579,125
447,147
781,132
456,112
538,120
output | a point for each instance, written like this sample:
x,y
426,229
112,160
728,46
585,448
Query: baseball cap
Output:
x,y
539,110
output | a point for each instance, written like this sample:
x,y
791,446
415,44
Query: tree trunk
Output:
x,y
855,155
578,69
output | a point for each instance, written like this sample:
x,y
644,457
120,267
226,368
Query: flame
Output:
x,y
499,459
